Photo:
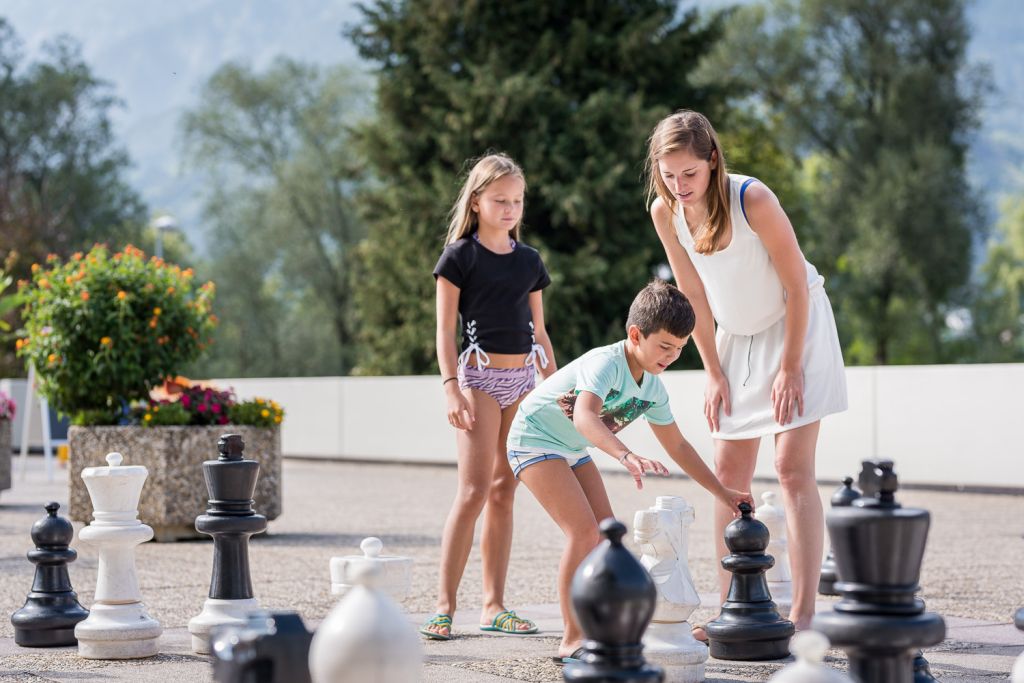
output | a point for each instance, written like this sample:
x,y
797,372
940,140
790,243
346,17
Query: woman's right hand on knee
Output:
x,y
460,412
716,396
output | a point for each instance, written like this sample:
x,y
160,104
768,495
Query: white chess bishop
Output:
x,y
780,580
809,648
662,532
118,626
396,571
366,638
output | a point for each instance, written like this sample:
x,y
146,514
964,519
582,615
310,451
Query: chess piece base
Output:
x,y
48,620
1018,619
749,641
673,647
118,632
216,613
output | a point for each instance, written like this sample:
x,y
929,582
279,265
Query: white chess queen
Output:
x,y
775,366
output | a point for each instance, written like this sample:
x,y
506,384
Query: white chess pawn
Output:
x,y
809,648
365,638
396,571
780,581
662,532
118,626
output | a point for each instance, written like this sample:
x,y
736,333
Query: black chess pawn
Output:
x,y
749,626
843,497
231,520
51,610
614,599
269,647
879,546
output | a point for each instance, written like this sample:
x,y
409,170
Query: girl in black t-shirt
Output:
x,y
493,282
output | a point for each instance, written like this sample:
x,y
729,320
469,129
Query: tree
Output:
x,y
571,91
62,184
998,312
877,99
276,147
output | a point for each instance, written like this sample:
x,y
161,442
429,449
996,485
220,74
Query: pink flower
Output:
x,y
202,408
185,401
215,407
223,419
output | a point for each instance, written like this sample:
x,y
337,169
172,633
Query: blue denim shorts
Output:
x,y
520,459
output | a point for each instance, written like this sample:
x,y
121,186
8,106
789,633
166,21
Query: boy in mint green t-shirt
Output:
x,y
585,404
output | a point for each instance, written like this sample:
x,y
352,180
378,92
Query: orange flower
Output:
x,y
77,256
214,319
157,311
188,272
68,280
85,295
19,343
35,267
152,323
44,283
50,258
52,358
106,341
122,295
170,290
147,417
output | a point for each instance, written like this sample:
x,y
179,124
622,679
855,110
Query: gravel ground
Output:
x,y
971,569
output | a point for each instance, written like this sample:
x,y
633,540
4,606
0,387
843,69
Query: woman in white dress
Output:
x,y
774,366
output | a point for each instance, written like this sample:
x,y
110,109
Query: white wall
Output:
x,y
948,425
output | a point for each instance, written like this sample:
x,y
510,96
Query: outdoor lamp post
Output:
x,y
161,224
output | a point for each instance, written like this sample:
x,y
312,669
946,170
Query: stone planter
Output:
x,y
5,454
175,491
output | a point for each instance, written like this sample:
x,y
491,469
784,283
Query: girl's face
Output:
x,y
686,176
500,205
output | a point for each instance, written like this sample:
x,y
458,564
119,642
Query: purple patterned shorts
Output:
x,y
504,385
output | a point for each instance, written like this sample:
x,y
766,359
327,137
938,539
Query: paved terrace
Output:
x,y
971,574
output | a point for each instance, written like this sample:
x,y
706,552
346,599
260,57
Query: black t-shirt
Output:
x,y
494,293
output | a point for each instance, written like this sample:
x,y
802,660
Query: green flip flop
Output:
x,y
442,620
508,622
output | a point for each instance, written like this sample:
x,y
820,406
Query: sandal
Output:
x,y
576,656
442,620
508,622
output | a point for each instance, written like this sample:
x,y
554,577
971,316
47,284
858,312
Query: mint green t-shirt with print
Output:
x,y
543,422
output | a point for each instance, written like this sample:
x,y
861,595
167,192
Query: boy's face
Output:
x,y
656,351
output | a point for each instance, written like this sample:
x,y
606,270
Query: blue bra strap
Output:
x,y
743,188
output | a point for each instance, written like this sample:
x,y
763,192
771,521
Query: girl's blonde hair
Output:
x,y
485,171
692,132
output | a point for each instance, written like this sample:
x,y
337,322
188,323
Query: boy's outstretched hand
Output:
x,y
733,498
639,466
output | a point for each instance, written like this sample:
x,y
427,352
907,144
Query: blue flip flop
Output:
x,y
443,620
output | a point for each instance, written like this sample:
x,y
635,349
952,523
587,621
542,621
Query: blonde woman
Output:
x,y
492,281
774,366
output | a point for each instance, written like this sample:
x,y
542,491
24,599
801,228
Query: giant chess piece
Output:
x,y
843,497
395,570
614,599
749,626
230,519
879,546
51,610
269,647
118,626
1017,675
809,648
780,580
366,637
662,532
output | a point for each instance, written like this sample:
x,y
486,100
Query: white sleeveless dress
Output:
x,y
748,302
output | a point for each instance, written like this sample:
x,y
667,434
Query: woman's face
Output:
x,y
500,205
686,176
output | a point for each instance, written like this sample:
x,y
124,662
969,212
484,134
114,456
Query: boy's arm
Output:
x,y
586,418
684,455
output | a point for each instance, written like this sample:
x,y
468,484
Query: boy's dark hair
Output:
x,y
660,306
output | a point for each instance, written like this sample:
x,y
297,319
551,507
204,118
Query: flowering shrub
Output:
x,y
207,406
102,329
7,407
259,412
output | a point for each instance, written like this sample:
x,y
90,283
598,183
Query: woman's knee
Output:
x,y
471,497
793,473
503,491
